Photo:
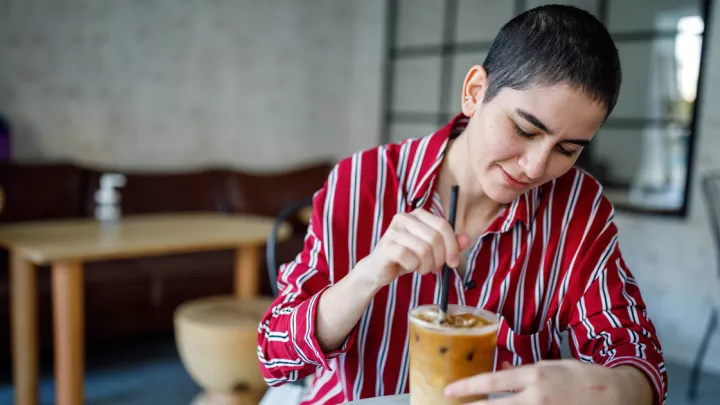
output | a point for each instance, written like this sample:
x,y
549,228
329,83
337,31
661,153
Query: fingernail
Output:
x,y
454,261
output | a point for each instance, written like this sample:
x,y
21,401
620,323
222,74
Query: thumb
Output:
x,y
463,241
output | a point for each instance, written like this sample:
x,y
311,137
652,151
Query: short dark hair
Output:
x,y
555,44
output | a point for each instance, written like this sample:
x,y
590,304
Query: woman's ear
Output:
x,y
474,88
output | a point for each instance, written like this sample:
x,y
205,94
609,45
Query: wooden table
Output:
x,y
305,214
65,245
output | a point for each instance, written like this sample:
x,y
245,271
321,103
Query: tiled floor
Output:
x,y
151,374
147,373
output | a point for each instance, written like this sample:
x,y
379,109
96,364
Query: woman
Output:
x,y
534,242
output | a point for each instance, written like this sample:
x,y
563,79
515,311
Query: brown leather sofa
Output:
x,y
136,297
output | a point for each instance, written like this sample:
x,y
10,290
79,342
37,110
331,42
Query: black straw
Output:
x,y
446,270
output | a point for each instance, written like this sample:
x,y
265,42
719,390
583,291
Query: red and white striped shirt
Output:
x,y
550,263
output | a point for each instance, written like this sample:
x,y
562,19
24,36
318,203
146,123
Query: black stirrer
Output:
x,y
446,269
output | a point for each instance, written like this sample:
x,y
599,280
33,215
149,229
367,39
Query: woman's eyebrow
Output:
x,y
539,124
581,142
533,120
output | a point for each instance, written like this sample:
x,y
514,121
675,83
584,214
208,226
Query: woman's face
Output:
x,y
523,139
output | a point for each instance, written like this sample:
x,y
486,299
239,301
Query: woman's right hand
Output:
x,y
417,241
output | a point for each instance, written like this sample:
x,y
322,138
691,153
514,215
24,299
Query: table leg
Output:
x,y
24,320
247,267
69,330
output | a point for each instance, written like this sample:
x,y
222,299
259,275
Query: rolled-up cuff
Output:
x,y
302,331
651,370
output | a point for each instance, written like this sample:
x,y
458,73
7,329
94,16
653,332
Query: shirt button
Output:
x,y
470,285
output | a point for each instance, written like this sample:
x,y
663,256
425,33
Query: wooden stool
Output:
x,y
217,341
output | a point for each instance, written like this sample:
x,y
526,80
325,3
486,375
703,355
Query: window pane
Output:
x,y
646,72
420,22
618,152
461,65
416,85
402,131
590,6
659,78
480,20
649,15
650,164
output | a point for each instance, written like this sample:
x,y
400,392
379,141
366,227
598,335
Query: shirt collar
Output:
x,y
419,194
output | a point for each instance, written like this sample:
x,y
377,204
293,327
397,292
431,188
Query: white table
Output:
x,y
403,399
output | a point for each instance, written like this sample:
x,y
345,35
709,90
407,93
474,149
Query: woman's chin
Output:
x,y
503,195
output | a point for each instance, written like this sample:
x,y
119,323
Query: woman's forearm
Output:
x,y
341,307
636,385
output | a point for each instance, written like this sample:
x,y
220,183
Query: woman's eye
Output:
x,y
524,134
564,151
520,131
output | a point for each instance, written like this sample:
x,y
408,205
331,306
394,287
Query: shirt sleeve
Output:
x,y
287,347
609,324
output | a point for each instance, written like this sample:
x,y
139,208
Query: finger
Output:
x,y
506,365
403,257
514,379
422,250
463,241
429,235
509,399
452,250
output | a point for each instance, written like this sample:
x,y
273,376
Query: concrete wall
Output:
x,y
172,83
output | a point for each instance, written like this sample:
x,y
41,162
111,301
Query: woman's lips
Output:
x,y
511,182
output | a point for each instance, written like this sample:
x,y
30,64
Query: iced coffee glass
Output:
x,y
444,352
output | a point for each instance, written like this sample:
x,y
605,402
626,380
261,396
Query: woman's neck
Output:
x,y
475,209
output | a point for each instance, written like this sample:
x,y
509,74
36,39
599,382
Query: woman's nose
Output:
x,y
534,162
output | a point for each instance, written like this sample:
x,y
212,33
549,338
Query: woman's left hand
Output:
x,y
557,382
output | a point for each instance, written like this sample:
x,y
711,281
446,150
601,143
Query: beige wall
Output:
x,y
171,83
